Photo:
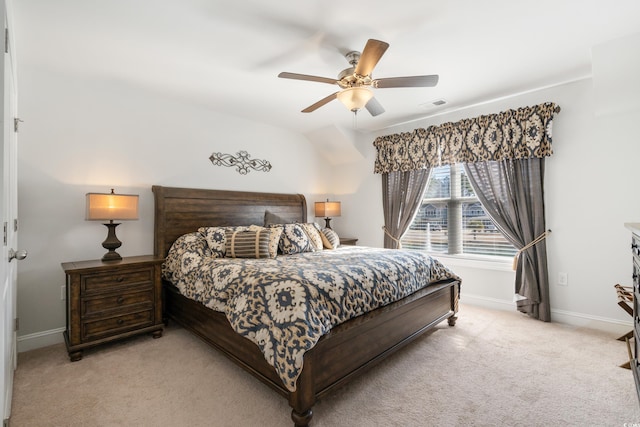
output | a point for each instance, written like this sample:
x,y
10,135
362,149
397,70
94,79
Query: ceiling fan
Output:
x,y
356,80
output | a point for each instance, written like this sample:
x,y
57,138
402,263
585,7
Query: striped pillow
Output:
x,y
274,239
329,238
248,244
313,231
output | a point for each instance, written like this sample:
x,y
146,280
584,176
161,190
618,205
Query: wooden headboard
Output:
x,y
183,210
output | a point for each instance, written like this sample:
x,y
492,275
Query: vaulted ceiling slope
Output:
x,y
226,55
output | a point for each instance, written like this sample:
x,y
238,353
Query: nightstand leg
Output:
x,y
157,334
74,356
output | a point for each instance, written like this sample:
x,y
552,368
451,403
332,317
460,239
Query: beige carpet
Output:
x,y
493,368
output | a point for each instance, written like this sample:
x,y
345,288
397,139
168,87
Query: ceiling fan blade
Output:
x,y
374,107
306,77
373,51
320,103
413,81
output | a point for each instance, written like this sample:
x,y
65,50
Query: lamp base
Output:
x,y
111,243
327,222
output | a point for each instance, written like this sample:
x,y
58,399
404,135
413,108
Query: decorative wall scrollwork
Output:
x,y
242,162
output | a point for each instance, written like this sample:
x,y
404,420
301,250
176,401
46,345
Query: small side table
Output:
x,y
350,241
112,300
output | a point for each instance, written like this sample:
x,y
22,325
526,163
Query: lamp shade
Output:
x,y
327,209
104,206
355,98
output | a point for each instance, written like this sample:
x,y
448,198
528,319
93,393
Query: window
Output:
x,y
451,220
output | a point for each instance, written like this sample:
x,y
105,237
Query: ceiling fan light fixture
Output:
x,y
355,98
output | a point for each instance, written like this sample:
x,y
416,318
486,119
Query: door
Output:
x,y
9,225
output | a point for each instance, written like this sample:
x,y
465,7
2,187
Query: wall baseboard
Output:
x,y
615,326
40,339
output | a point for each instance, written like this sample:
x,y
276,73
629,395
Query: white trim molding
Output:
x,y
40,339
614,326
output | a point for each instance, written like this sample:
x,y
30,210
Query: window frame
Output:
x,y
455,240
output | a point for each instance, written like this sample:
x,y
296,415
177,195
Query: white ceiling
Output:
x,y
226,54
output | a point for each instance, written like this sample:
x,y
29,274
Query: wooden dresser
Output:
x,y
112,300
635,249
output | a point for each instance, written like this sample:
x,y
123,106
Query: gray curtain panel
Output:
x,y
511,192
401,197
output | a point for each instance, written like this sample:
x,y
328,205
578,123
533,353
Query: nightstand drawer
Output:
x,y
98,328
108,281
129,301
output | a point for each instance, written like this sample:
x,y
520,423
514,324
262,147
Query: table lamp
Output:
x,y
110,207
328,210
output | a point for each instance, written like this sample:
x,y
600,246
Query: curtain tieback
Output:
x,y
392,237
535,241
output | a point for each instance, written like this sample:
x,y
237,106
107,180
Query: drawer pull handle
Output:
x,y
119,279
120,321
120,300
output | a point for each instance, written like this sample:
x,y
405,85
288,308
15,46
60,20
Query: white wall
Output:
x,y
590,191
83,134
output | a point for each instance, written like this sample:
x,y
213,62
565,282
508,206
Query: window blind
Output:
x,y
451,220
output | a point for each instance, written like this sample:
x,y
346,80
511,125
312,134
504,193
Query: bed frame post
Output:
x,y
160,221
303,399
455,297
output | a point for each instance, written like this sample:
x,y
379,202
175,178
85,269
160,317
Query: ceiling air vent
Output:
x,y
432,104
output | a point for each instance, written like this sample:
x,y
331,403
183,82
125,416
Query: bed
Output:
x,y
346,351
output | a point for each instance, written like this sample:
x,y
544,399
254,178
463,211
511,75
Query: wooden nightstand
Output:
x,y
111,300
351,241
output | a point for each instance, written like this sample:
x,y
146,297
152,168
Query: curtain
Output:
x,y
513,134
401,197
504,155
511,192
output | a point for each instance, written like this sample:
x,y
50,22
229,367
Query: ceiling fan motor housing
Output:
x,y
348,77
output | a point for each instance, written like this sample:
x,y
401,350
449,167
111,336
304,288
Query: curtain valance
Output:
x,y
512,134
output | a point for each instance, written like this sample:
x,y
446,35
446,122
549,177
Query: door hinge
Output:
x,y
6,40
16,123
15,224
5,233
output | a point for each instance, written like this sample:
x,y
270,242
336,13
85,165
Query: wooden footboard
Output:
x,y
347,351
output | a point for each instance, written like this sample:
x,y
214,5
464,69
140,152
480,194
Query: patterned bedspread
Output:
x,y
286,304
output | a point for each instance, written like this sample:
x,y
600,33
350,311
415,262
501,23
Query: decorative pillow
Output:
x,y
215,237
313,231
248,244
294,239
184,251
330,239
274,237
